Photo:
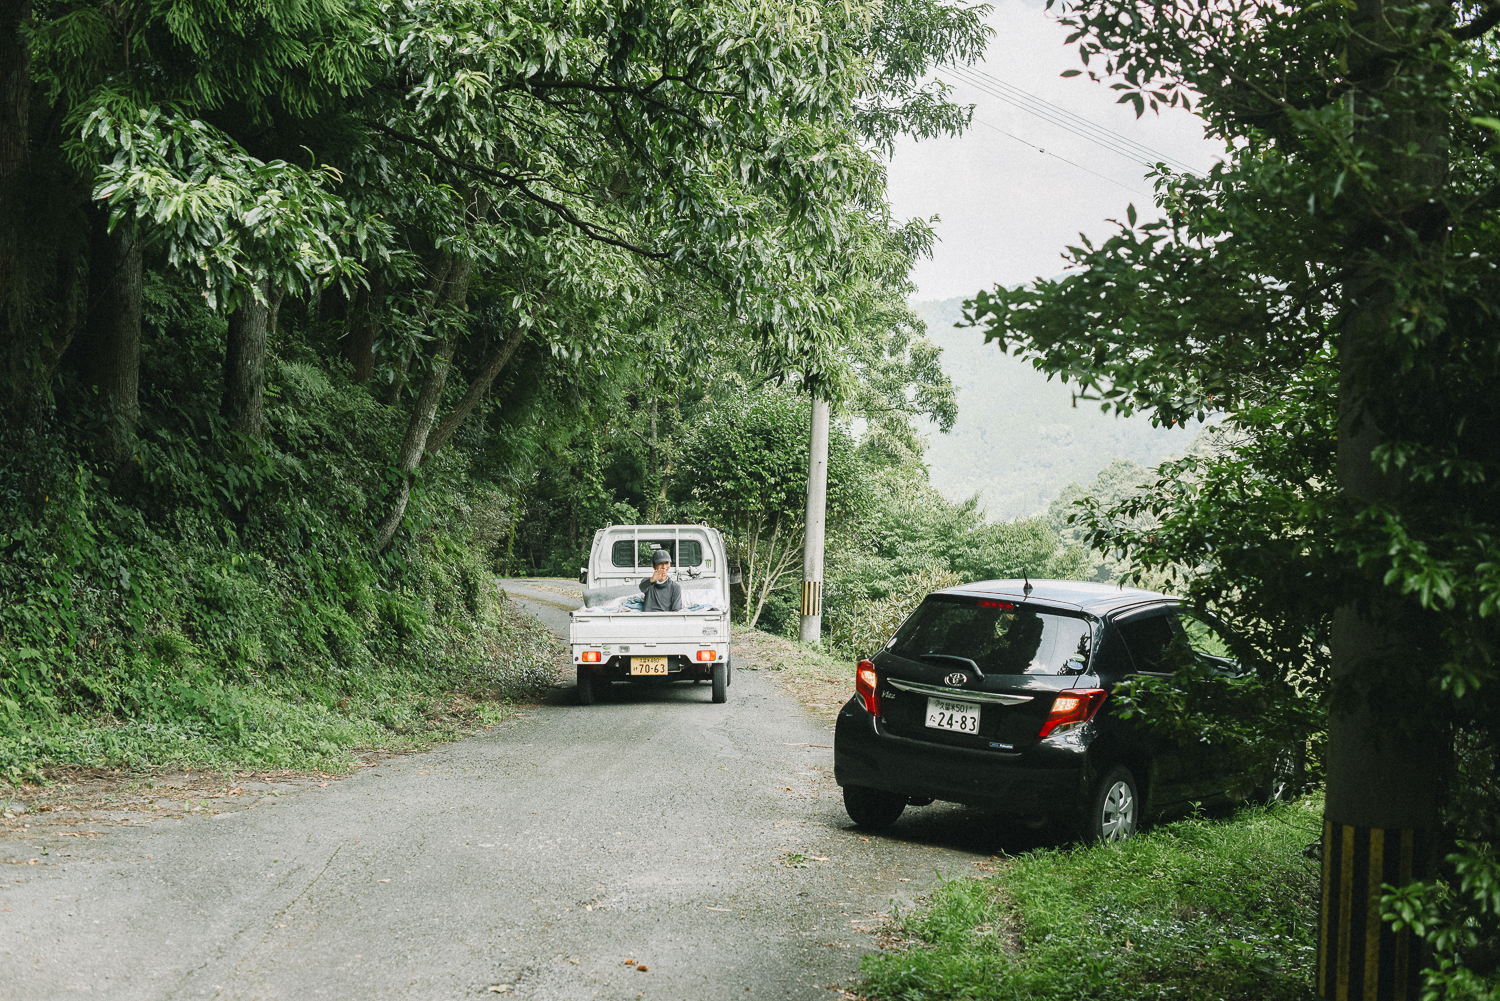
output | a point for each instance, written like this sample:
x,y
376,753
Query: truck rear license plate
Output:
x,y
648,665
945,715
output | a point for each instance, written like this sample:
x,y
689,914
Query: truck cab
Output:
x,y
613,640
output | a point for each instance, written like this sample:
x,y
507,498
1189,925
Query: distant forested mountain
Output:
x,y
1019,440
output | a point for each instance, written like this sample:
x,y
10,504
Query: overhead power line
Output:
x,y
1064,159
1039,102
1066,120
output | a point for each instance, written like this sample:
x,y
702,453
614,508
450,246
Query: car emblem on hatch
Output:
x,y
956,679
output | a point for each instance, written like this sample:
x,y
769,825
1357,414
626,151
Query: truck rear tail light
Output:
x,y
708,655
864,685
1074,705
591,656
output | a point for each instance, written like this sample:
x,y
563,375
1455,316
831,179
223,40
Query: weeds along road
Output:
x,y
705,842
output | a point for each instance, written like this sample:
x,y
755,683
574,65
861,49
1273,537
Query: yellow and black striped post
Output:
x,y
812,597
1359,957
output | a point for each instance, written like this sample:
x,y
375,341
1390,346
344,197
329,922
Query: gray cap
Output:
x,y
661,556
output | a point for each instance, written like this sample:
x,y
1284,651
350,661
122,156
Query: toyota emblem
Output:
x,y
956,678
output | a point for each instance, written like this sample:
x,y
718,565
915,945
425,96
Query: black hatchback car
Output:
x,y
996,695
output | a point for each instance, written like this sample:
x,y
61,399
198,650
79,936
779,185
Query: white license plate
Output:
x,y
648,665
960,716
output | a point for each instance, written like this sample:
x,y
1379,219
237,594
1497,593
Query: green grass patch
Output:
x,y
451,679
1197,909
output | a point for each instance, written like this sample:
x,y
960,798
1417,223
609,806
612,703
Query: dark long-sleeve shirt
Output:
x,y
663,597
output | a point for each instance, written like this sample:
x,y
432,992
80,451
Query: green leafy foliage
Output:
x,y
865,626
227,609
1021,438
748,453
1330,286
908,528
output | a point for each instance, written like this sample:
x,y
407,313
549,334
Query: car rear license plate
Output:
x,y
945,715
648,665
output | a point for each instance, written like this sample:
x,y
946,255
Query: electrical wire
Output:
x,y
1100,138
1066,120
1064,159
1155,155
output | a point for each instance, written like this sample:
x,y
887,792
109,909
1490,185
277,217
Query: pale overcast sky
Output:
x,y
1007,211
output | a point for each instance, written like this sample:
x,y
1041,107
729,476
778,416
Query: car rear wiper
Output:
x,y
962,660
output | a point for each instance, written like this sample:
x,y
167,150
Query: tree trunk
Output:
x,y
364,328
1384,768
112,364
250,326
451,290
480,385
15,163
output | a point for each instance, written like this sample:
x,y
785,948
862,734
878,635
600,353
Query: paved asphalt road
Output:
x,y
706,842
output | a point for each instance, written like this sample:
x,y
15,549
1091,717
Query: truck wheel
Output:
x,y
872,809
585,686
728,671
721,682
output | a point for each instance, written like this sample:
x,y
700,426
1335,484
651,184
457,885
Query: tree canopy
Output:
x,y
302,298
1330,286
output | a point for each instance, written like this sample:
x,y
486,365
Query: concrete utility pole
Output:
x,y
817,509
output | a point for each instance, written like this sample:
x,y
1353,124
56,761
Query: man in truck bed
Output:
x,y
658,593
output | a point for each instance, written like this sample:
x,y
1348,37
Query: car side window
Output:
x,y
1207,642
1149,640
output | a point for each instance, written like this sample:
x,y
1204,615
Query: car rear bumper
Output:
x,y
1043,781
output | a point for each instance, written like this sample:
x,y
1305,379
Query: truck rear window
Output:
x,y
629,553
1002,637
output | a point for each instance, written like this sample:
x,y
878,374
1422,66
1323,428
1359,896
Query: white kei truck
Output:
x,y
613,640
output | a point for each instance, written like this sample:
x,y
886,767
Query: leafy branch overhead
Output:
x,y
1330,288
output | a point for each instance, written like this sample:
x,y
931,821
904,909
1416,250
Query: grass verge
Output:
x,y
1199,909
453,679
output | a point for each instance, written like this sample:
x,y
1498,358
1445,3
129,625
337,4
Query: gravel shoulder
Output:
x,y
653,846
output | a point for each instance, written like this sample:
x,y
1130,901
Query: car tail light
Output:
x,y
1074,705
591,656
708,655
864,685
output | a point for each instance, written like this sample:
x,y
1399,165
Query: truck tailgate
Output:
x,y
649,627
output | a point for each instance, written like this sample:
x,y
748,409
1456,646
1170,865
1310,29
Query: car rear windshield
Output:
x,y
629,553
1000,636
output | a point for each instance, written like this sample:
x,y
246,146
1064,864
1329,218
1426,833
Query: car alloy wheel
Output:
x,y
1114,808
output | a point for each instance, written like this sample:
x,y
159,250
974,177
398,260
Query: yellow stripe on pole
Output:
x,y
812,597
1376,869
1324,914
1346,904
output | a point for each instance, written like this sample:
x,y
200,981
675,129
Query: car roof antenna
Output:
x,y
1027,589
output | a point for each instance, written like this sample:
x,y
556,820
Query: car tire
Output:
x,y
728,671
1113,807
721,682
872,809
585,686
1285,781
